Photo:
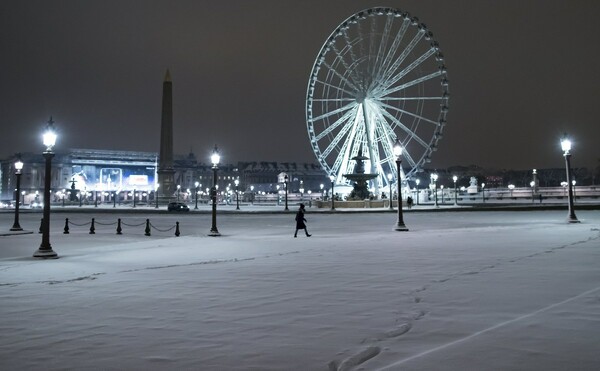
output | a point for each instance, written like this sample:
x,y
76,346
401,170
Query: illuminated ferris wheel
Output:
x,y
379,77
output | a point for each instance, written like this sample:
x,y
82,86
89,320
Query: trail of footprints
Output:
x,y
365,354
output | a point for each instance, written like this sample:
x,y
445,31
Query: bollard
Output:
x,y
177,229
119,226
92,227
147,228
41,224
66,231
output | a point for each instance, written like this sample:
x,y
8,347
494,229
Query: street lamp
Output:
x,y
237,194
390,176
178,191
18,167
455,178
565,143
532,184
332,178
322,196
442,188
49,139
434,178
252,195
483,191
511,187
400,226
214,158
285,183
197,184
417,182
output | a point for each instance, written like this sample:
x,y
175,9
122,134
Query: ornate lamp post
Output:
x,y
18,167
252,195
214,158
400,226
178,191
434,178
45,251
455,178
237,194
197,184
565,143
285,184
322,196
390,177
511,187
332,179
483,191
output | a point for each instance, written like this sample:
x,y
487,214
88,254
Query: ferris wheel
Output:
x,y
378,78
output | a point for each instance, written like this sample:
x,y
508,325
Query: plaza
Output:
x,y
462,290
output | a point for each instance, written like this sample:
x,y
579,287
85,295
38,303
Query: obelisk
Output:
x,y
166,172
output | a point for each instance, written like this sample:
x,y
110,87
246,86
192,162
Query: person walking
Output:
x,y
300,222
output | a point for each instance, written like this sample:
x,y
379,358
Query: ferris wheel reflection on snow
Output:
x,y
379,77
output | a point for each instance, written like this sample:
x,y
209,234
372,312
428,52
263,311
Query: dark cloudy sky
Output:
x,y
521,73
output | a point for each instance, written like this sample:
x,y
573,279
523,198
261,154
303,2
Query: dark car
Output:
x,y
177,206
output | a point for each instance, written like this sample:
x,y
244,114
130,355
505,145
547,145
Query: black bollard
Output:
x,y
147,228
119,226
177,229
66,231
41,224
93,227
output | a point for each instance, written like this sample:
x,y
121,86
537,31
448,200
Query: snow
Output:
x,y
460,291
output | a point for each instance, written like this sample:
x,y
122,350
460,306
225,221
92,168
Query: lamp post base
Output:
x,y
572,219
16,228
45,254
401,228
214,233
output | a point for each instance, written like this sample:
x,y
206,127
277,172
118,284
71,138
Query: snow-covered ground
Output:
x,y
459,291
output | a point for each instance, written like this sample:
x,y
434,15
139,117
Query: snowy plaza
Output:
x,y
502,290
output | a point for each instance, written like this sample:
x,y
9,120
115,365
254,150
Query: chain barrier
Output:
x,y
119,222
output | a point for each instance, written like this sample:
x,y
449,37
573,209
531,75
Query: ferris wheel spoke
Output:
x,y
394,47
350,48
381,53
336,100
410,83
409,98
343,162
334,112
405,53
351,71
329,85
403,127
337,139
333,126
409,113
409,68
343,78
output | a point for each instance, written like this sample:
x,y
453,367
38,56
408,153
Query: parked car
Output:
x,y
177,206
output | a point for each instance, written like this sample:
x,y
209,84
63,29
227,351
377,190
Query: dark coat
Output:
x,y
300,219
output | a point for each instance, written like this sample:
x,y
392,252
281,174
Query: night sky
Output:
x,y
521,74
